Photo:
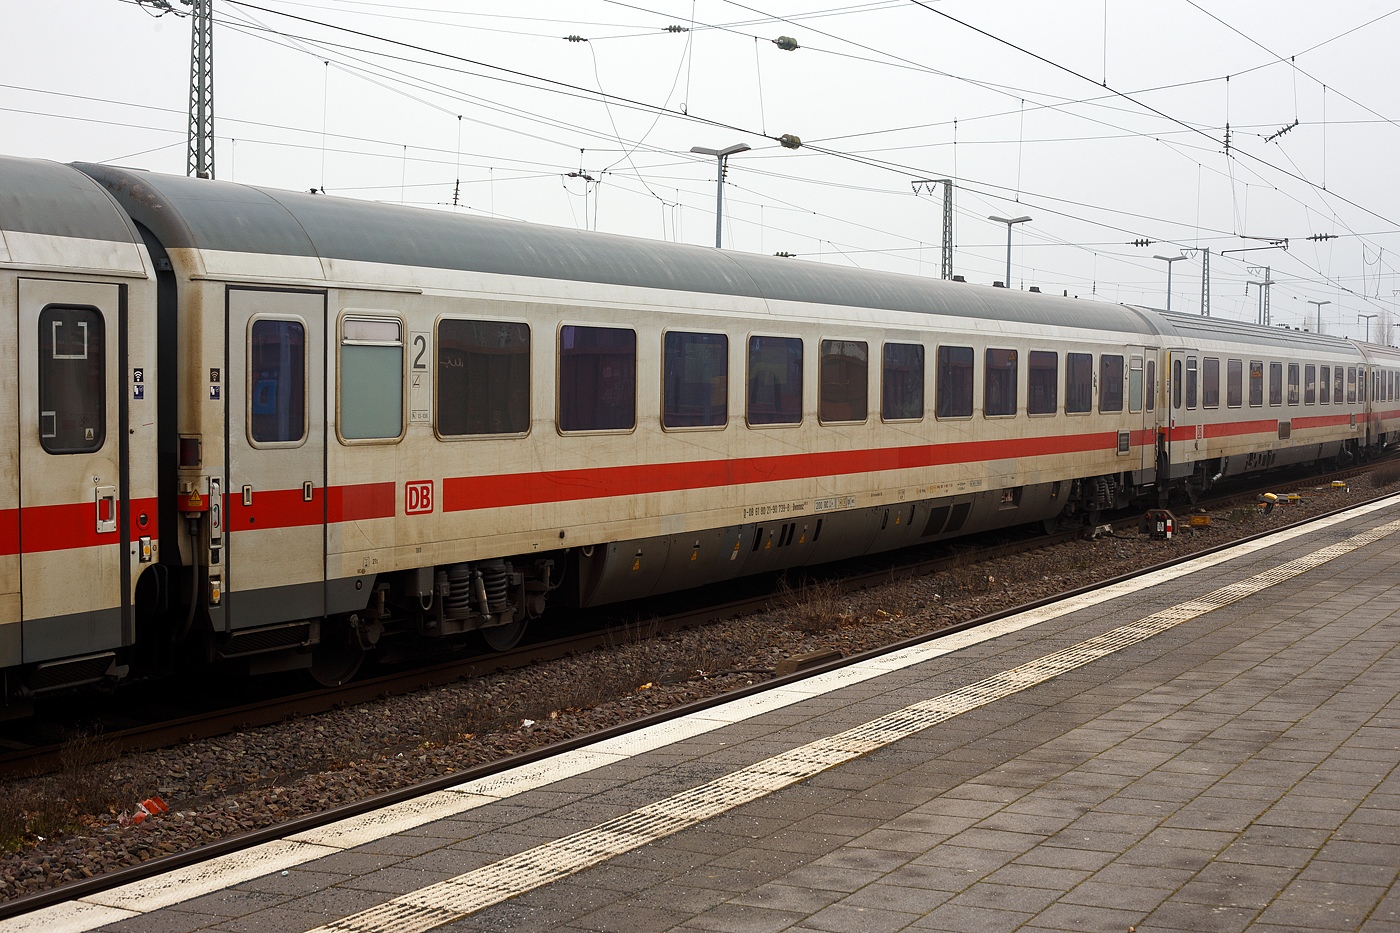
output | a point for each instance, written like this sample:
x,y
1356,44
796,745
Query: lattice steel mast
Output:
x,y
201,136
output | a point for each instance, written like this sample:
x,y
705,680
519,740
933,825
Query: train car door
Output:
x,y
276,456
72,481
1185,430
1142,408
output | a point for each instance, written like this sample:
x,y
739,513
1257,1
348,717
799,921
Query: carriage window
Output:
x,y
483,378
1151,384
845,380
1135,384
903,382
1044,378
1234,383
1190,382
1338,386
1351,385
953,396
276,382
1309,384
999,383
1079,382
1210,382
371,378
1356,387
597,378
1325,385
1256,383
1293,383
695,380
72,380
775,380
1275,383
1110,383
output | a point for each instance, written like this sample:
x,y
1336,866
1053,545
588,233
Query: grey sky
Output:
x,y
873,92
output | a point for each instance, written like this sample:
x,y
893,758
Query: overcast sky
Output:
x,y
1102,121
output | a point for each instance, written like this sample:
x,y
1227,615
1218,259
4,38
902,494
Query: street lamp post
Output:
x,y
1169,260
722,155
1368,318
1010,222
1319,305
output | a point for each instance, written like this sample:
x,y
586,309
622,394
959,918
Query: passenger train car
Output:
x,y
279,430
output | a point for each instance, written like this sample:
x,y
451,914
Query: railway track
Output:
x,y
28,758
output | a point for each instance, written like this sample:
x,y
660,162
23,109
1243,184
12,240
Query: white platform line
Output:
x,y
194,881
450,900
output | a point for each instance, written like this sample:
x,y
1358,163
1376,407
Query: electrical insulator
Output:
x,y
790,141
574,39
786,43
786,255
675,28
1323,236
1142,242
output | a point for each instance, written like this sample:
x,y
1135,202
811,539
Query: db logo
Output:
x,y
418,497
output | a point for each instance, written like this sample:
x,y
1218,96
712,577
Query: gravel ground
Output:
x,y
76,823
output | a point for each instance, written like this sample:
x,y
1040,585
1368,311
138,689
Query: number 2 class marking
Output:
x,y
420,343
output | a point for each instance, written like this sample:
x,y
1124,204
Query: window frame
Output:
x,y
1193,383
371,314
1135,365
923,381
1054,383
1293,385
972,393
558,383
105,377
1209,385
1324,397
1015,381
1309,379
305,378
821,359
1102,392
1351,385
802,382
1234,383
1089,409
437,388
1250,394
728,382
1338,385
1149,383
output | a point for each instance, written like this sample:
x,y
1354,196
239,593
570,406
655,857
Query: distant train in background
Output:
x,y
280,430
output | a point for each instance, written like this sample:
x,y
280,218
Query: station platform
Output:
x,y
1211,746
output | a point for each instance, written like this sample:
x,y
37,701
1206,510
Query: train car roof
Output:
x,y
193,213
1191,327
51,199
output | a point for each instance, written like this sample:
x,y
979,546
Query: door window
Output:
x,y
276,382
1151,384
1135,384
72,380
1190,382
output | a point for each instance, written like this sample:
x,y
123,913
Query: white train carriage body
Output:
x,y
1382,418
78,462
1243,398
386,421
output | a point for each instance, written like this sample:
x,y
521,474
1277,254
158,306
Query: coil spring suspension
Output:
x,y
495,577
457,601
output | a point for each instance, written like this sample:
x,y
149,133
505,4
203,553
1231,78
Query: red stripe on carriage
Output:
x,y
40,528
463,493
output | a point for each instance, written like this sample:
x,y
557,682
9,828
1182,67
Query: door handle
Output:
x,y
106,502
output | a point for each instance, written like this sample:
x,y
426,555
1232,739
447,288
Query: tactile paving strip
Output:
x,y
446,901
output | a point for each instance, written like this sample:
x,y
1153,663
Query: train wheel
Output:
x,y
337,658
503,637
